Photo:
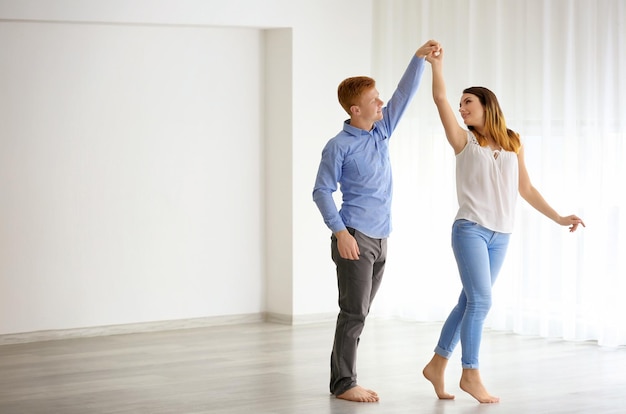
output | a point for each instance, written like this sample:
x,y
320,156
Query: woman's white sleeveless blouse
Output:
x,y
487,186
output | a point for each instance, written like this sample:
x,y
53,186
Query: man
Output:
x,y
358,160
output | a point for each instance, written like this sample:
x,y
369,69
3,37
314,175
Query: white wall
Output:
x,y
133,177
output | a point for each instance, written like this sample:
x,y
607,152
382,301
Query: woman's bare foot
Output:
x,y
473,385
434,372
359,394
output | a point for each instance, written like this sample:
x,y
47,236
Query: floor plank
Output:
x,y
277,369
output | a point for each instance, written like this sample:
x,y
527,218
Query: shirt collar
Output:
x,y
356,131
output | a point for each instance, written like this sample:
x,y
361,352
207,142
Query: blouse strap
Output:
x,y
471,138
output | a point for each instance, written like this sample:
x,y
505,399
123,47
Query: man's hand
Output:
x,y
432,46
347,245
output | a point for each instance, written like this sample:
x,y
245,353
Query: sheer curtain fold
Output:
x,y
557,69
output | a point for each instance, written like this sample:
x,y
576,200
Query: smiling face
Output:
x,y
369,107
359,98
472,111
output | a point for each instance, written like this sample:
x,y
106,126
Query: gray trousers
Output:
x,y
358,281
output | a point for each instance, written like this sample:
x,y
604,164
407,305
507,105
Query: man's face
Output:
x,y
370,106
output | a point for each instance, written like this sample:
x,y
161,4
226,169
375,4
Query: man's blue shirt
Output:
x,y
359,162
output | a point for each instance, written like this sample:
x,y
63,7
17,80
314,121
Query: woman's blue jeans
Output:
x,y
479,254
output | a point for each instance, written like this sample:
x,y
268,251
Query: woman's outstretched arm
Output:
x,y
536,200
456,135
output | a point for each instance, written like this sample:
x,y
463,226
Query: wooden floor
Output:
x,y
269,368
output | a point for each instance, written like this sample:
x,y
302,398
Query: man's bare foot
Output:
x,y
434,372
359,394
473,385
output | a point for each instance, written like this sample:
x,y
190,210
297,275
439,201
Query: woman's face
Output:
x,y
472,110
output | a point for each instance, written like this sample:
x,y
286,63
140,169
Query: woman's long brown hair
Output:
x,y
495,124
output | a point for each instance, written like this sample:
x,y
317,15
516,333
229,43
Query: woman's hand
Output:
x,y
572,221
435,56
428,48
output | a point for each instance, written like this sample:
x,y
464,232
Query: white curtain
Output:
x,y
558,68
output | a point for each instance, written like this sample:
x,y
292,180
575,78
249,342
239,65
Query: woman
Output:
x,y
490,171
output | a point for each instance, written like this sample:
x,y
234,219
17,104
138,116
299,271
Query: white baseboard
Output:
x,y
51,335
